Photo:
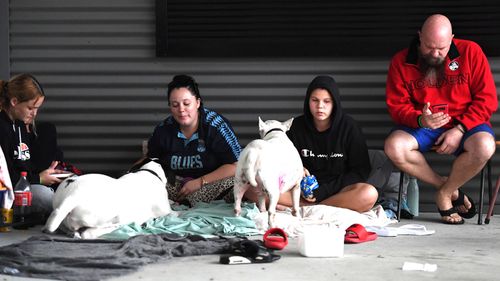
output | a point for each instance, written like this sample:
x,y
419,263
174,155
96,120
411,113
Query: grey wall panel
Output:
x,y
106,89
4,40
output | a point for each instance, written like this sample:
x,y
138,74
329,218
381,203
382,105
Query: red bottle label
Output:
x,y
22,198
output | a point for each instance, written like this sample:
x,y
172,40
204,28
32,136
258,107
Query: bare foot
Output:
x,y
443,202
282,208
462,208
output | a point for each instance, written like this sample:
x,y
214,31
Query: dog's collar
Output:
x,y
273,130
147,170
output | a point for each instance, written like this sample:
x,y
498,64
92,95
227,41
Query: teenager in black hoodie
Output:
x,y
20,99
332,148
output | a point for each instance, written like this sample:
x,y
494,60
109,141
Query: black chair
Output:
x,y
492,196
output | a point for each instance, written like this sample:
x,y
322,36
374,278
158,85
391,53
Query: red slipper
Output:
x,y
275,238
357,233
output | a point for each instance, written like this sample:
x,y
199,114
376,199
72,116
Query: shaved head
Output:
x,y
437,28
435,40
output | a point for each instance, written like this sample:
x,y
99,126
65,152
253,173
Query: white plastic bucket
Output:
x,y
321,241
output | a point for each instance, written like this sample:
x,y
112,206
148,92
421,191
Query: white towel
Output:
x,y
322,215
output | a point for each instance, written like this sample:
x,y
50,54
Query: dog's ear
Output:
x,y
261,124
288,123
139,164
262,128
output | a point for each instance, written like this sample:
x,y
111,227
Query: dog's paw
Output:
x,y
45,230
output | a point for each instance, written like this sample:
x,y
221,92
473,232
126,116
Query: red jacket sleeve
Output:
x,y
398,100
482,89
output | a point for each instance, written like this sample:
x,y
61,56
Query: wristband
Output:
x,y
460,129
419,121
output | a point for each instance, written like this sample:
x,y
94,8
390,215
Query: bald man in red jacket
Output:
x,y
440,92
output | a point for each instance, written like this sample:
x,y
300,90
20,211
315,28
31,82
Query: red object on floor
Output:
x,y
275,238
357,233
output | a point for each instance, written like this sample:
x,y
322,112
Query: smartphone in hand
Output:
x,y
443,107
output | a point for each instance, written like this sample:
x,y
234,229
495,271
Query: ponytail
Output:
x,y
4,87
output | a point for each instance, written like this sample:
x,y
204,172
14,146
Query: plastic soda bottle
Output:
x,y
22,202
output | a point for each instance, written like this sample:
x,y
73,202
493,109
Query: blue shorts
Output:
x,y
427,137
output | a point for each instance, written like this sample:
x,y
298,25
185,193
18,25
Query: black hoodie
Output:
x,y
338,157
14,141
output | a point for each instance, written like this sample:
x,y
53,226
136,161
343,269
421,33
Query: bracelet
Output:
x,y
460,129
203,181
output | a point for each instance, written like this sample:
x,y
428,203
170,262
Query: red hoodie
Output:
x,y
467,86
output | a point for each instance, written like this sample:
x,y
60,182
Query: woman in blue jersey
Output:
x,y
196,144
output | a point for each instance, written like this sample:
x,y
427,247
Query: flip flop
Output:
x,y
249,251
275,238
447,213
471,212
357,233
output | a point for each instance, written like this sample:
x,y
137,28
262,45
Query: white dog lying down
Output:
x,y
94,204
273,164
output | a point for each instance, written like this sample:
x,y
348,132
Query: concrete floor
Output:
x,y
461,252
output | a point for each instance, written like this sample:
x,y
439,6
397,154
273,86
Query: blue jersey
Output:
x,y
213,145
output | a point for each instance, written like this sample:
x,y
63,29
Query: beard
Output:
x,y
432,68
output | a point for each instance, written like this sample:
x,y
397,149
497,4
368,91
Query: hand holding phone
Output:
x,y
443,107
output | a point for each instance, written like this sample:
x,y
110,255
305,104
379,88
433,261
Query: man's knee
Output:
x,y
481,146
390,146
396,146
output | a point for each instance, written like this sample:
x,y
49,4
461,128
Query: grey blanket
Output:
x,y
69,259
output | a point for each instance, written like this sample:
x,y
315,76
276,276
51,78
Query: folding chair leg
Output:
x,y
490,191
400,194
481,196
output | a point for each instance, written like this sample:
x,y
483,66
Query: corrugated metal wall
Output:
x,y
106,89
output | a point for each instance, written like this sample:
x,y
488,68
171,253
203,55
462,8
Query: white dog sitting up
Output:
x,y
94,204
272,164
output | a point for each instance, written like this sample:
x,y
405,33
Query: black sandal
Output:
x,y
471,212
448,213
249,251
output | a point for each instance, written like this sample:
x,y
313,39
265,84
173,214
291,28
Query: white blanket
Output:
x,y
323,215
